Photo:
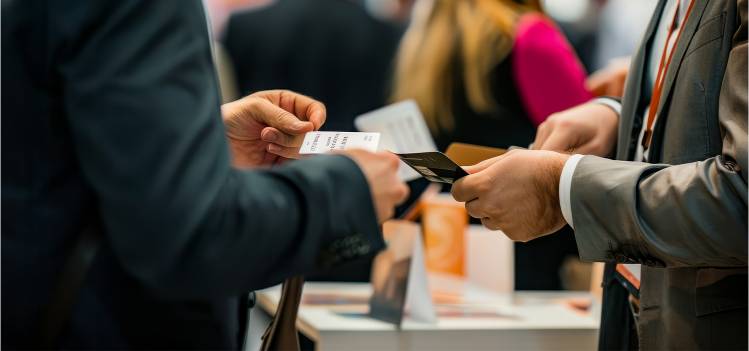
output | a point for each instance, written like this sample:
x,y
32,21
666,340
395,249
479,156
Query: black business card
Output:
x,y
434,166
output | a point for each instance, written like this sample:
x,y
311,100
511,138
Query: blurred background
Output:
x,y
482,72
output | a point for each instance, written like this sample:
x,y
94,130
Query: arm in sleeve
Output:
x,y
547,73
142,103
565,179
693,214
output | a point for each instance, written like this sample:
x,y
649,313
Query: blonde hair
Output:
x,y
478,33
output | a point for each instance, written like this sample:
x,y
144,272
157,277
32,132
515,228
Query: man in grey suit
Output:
x,y
675,199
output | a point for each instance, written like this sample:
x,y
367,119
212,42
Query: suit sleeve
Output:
x,y
692,214
142,103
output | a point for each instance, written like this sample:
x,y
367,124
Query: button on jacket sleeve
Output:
x,y
142,103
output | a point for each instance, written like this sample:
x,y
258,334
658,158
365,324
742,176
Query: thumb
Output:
x,y
481,165
561,141
274,116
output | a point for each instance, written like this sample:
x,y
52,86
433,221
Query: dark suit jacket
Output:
x,y
683,216
332,50
111,108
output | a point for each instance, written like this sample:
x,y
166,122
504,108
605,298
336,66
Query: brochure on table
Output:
x,y
399,277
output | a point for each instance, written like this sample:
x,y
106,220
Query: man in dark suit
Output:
x,y
672,206
332,50
111,116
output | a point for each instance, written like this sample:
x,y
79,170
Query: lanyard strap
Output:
x,y
662,68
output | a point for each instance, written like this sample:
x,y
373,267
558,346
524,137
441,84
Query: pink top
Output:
x,y
547,73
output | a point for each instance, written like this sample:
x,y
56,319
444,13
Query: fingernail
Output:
x,y
274,148
299,125
270,137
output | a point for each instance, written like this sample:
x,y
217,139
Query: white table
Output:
x,y
516,321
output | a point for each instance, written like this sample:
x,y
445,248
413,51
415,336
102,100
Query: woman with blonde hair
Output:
x,y
488,72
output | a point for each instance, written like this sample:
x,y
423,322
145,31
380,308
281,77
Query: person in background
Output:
x,y
389,10
609,81
332,50
488,72
219,11
620,26
137,208
604,33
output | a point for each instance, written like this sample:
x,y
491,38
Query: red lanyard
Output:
x,y
662,68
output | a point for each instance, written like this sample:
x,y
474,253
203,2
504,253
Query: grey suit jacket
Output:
x,y
684,217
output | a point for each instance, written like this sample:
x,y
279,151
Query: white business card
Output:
x,y
322,142
403,129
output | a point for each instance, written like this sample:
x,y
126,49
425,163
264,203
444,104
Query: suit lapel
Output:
x,y
681,48
630,121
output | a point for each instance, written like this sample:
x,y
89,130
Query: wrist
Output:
x,y
553,174
609,102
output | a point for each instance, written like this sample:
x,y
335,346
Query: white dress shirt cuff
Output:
x,y
610,103
565,183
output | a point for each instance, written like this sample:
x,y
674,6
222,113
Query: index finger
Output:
x,y
302,106
482,165
560,141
